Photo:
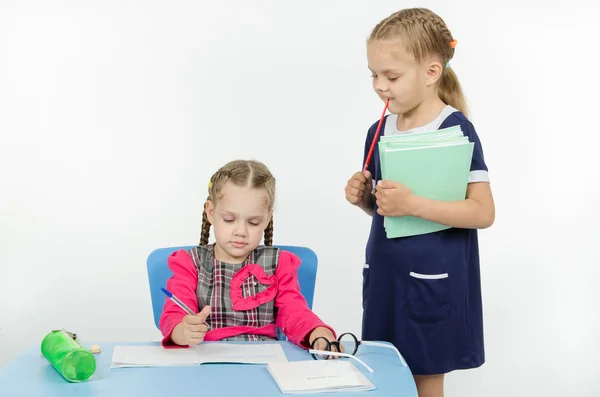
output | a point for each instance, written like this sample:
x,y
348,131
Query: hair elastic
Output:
x,y
453,43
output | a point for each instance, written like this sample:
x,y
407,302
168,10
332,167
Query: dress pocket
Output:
x,y
428,297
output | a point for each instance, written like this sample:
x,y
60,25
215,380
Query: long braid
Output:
x,y
220,178
269,233
205,233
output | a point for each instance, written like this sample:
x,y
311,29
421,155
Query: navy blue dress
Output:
x,y
423,293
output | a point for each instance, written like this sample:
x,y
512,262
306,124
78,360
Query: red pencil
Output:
x,y
376,136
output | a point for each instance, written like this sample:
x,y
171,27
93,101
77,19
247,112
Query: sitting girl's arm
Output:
x,y
183,285
294,317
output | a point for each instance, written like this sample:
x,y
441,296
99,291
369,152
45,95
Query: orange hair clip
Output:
x,y
453,43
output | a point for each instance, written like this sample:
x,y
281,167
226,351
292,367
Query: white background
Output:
x,y
114,114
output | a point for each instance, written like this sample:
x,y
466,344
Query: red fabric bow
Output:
x,y
235,290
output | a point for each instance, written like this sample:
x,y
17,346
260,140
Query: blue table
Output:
x,y
30,375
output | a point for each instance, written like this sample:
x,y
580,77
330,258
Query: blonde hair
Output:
x,y
425,33
250,173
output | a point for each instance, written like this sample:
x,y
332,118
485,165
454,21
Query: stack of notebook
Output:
x,y
434,165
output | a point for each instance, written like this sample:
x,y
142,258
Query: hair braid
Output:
x,y
205,233
269,233
446,51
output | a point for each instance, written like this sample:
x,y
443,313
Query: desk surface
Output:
x,y
30,374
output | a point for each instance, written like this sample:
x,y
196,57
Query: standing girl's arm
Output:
x,y
477,211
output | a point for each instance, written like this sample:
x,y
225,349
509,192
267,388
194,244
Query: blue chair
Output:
x,y
159,273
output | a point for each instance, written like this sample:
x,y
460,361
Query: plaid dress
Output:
x,y
219,282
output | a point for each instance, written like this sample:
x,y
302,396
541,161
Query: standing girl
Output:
x,y
422,293
242,289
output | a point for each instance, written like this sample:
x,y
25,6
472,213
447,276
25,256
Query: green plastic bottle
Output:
x,y
68,356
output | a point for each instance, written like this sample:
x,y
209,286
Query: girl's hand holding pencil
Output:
x,y
358,189
192,329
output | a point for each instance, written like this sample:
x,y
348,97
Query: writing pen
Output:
x,y
181,304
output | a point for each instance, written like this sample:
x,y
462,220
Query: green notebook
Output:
x,y
433,164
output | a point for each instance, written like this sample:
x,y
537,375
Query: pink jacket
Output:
x,y
294,317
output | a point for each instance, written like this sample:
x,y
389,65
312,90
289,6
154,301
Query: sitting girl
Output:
x,y
243,290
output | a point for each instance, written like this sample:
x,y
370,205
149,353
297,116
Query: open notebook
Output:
x,y
207,352
435,165
318,376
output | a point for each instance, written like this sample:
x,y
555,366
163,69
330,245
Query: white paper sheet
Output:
x,y
318,376
208,352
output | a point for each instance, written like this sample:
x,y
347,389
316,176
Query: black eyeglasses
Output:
x,y
347,345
